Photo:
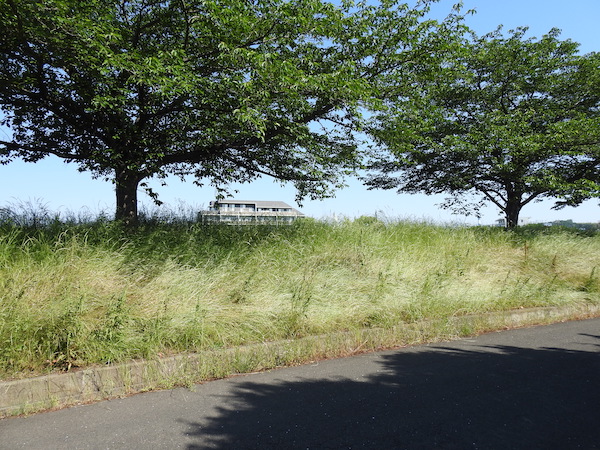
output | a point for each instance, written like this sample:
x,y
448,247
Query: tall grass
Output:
x,y
80,292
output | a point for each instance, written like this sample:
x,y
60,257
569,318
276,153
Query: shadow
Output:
x,y
438,398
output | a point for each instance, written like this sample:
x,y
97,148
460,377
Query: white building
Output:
x,y
250,212
522,221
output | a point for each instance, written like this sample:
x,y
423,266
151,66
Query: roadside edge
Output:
x,y
31,395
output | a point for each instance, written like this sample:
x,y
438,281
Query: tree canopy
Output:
x,y
220,90
506,120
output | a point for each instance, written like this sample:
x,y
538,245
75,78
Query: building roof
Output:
x,y
258,203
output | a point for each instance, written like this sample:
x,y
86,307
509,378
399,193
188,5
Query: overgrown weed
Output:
x,y
74,293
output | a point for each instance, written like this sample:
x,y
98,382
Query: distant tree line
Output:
x,y
580,226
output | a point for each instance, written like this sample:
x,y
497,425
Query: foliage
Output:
x,y
222,90
506,120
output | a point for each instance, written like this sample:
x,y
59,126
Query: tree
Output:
x,y
506,120
221,90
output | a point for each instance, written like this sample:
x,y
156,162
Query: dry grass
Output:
x,y
74,294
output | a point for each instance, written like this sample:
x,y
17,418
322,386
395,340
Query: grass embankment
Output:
x,y
77,294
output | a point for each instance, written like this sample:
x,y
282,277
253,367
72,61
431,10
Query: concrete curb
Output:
x,y
104,382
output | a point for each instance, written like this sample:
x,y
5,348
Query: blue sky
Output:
x,y
62,188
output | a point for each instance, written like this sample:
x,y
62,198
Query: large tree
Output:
x,y
220,90
506,120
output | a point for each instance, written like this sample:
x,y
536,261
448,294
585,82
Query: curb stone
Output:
x,y
58,390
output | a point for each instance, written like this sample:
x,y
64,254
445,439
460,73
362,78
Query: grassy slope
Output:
x,y
84,293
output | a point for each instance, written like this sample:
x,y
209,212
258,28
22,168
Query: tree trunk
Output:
x,y
126,184
512,210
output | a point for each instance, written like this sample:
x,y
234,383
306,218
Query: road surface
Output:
x,y
534,388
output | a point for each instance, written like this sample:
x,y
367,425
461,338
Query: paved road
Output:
x,y
536,388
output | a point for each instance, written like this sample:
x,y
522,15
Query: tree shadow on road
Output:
x,y
441,398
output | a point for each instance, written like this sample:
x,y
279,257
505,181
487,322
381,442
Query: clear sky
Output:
x,y
63,189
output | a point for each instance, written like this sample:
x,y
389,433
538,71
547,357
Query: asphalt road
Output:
x,y
535,388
